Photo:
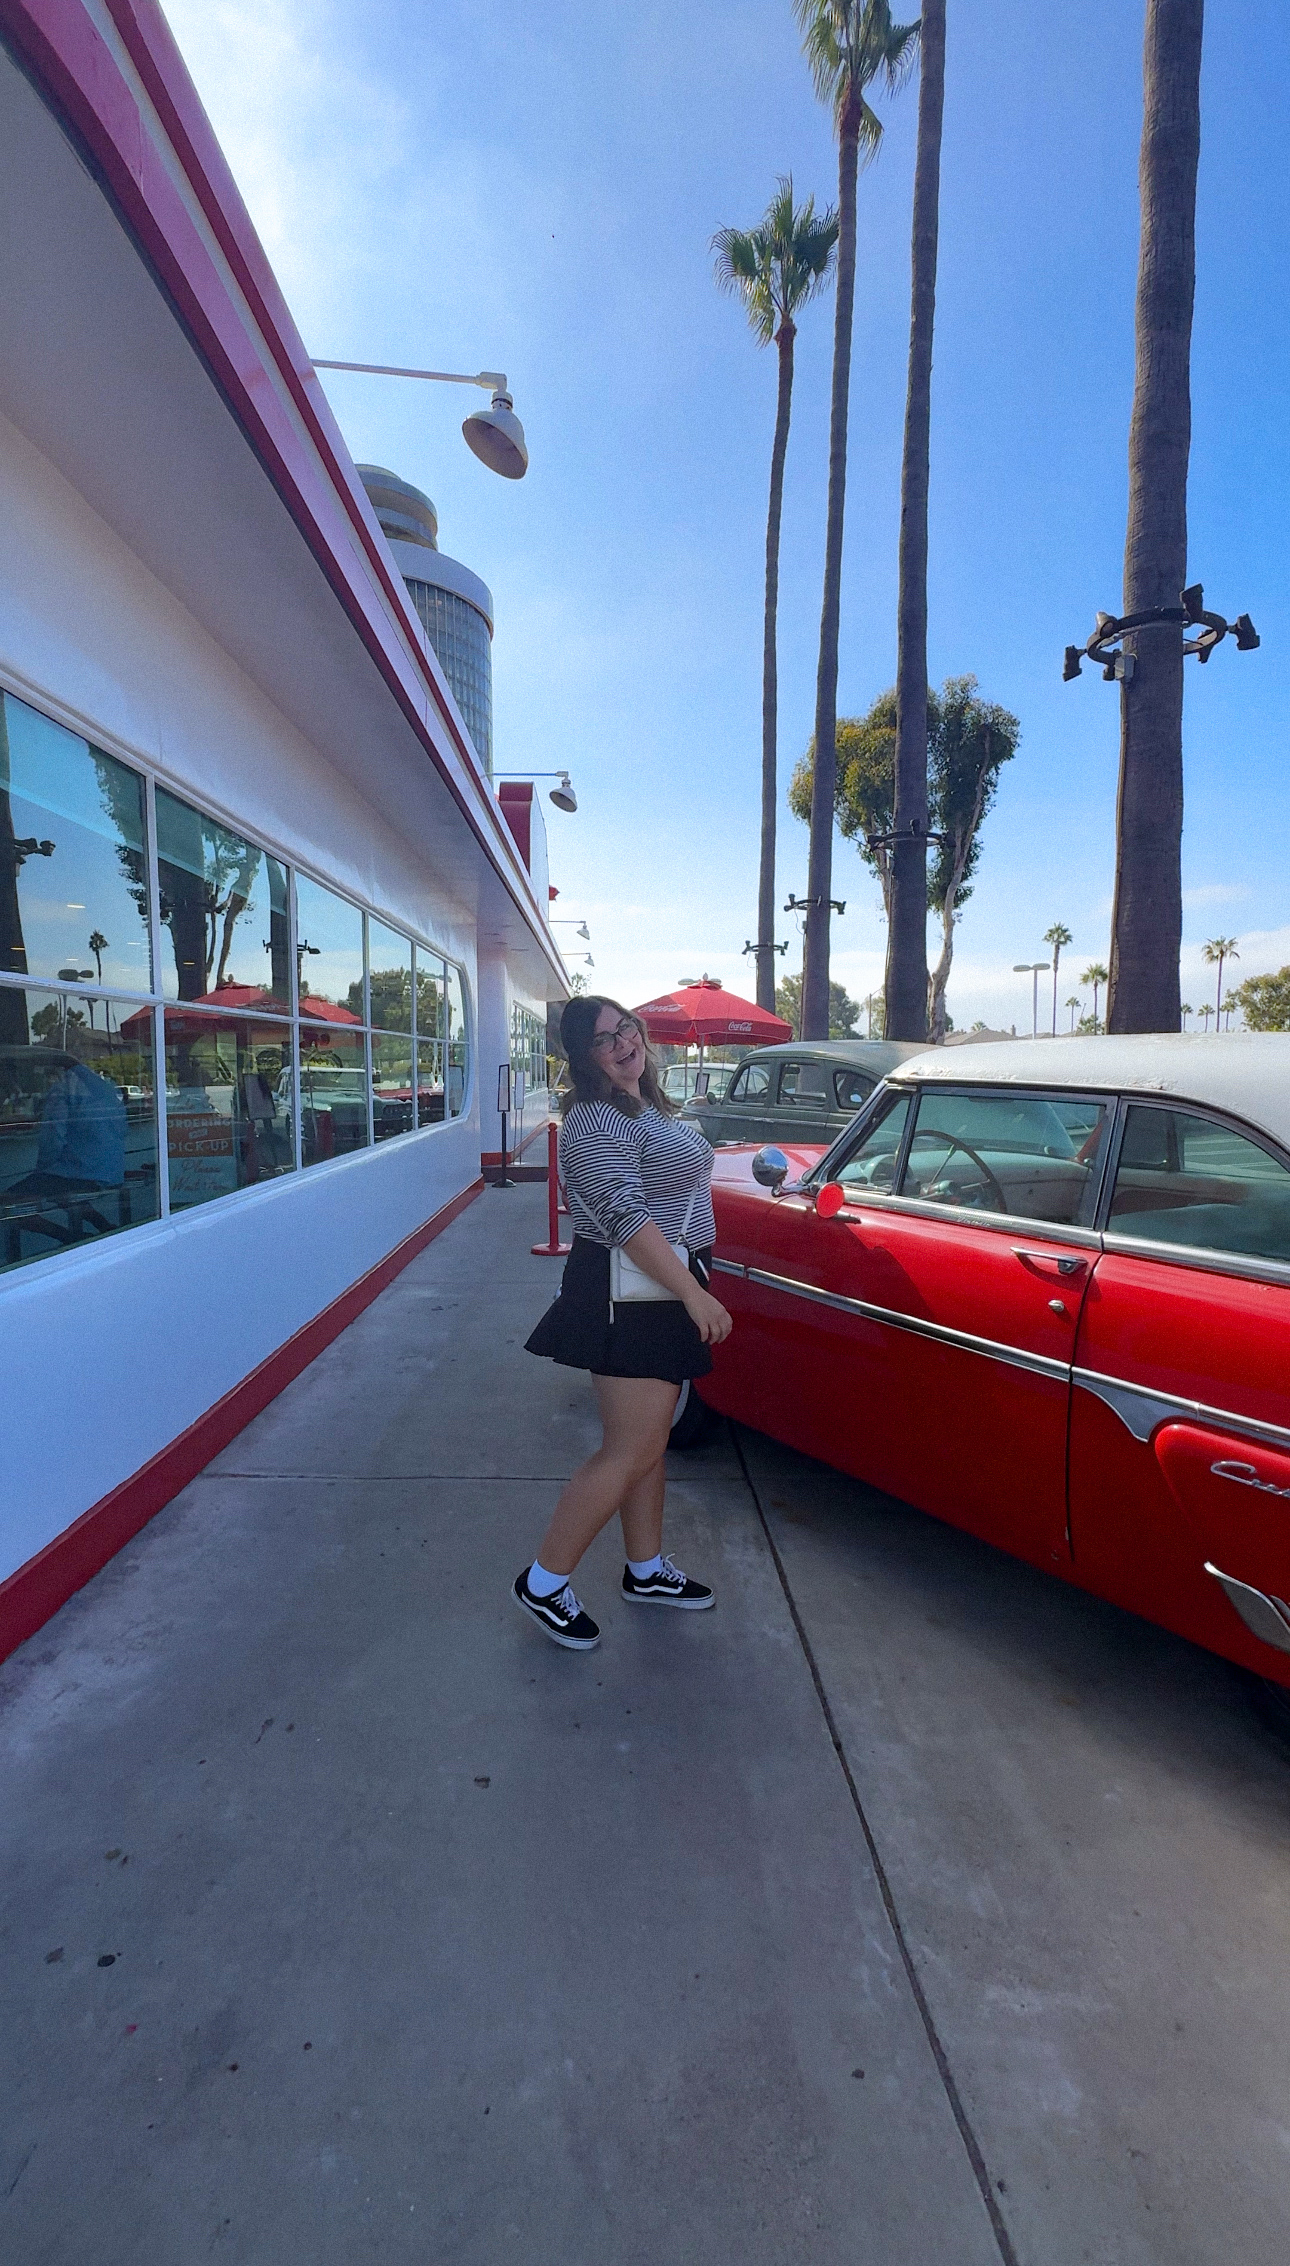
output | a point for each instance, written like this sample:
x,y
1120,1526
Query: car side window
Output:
x,y
1189,1180
751,1084
804,1082
851,1088
1028,1156
871,1166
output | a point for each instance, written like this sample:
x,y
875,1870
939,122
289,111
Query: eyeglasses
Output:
x,y
629,1028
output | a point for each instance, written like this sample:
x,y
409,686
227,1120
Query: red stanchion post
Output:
x,y
552,1248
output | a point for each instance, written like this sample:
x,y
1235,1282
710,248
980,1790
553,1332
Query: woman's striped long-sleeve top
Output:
x,y
621,1172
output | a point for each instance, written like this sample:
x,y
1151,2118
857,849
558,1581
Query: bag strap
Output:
x,y
689,1212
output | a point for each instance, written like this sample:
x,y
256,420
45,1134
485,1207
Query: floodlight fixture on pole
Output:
x,y
1106,647
581,926
808,904
562,796
495,435
1035,968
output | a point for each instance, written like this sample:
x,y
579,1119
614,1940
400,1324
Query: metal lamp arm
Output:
x,y
492,381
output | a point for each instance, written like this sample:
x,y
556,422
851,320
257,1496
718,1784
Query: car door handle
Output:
x,y
1048,1263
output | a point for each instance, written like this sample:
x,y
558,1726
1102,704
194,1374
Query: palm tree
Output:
x,y
98,946
1218,949
848,44
774,269
1095,975
1147,919
1185,1010
1057,936
1205,1013
1073,1004
907,987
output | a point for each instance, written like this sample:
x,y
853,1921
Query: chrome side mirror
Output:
x,y
770,1169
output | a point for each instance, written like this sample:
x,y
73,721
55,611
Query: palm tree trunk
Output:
x,y
1143,993
906,986
770,679
819,883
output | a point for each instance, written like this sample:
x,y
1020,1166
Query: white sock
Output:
x,y
641,1571
543,1584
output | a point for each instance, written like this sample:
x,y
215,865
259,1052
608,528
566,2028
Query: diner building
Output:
x,y
267,933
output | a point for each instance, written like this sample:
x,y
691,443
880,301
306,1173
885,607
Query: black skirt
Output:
x,y
647,1337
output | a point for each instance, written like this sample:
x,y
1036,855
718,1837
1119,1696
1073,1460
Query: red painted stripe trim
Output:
x,y
35,1591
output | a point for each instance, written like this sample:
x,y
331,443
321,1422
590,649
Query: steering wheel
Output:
x,y
989,1182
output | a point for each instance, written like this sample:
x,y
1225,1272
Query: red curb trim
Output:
x,y
34,1592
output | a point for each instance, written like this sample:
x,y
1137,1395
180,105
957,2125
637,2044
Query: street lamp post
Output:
x,y
495,435
562,796
1035,969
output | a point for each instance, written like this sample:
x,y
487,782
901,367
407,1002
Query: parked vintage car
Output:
x,y
806,1091
1043,1292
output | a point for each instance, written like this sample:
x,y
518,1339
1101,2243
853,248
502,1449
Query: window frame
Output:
x,y
1200,1256
154,1002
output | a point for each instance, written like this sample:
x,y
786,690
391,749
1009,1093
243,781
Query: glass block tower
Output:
x,y
454,606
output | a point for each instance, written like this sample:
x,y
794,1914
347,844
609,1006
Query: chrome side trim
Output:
x,y
727,1267
1017,1357
1140,1409
1267,1618
1200,1260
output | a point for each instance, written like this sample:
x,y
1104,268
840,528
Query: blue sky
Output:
x,y
534,190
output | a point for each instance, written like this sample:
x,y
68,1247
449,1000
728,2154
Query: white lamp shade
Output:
x,y
496,437
563,796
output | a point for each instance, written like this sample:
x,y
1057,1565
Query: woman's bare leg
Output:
x,y
641,1512
636,1414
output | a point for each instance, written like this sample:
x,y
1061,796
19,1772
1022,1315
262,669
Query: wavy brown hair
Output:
x,y
585,1081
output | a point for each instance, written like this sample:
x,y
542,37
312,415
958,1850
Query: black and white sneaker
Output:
x,y
560,1616
669,1586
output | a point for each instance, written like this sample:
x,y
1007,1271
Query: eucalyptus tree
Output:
x,y
849,44
1143,994
774,269
906,988
968,742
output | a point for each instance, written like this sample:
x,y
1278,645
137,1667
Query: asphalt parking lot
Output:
x,y
907,1908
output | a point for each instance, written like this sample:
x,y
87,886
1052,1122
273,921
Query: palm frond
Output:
x,y
779,265
850,43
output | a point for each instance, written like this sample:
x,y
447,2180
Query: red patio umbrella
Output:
x,y
706,1014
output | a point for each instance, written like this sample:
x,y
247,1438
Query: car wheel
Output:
x,y
692,1420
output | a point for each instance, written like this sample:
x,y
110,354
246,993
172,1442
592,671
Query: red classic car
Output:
x,y
1042,1290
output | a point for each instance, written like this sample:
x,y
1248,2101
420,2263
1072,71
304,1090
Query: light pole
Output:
x,y
1035,968
495,435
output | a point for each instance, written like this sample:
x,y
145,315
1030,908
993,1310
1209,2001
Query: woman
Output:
x,y
638,1184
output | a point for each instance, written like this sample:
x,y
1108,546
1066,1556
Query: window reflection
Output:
x,y
224,903
78,1138
73,866
228,1104
329,948
456,1043
389,963
431,1011
392,1106
333,1094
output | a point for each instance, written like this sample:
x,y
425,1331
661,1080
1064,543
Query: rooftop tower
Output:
x,y
455,608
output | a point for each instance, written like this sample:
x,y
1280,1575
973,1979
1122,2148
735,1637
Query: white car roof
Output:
x,y
1245,1072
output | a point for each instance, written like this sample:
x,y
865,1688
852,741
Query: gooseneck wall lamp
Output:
x,y
562,796
495,435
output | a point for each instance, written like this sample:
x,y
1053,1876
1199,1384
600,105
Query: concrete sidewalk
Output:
x,y
429,1941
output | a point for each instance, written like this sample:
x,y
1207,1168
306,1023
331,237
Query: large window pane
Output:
x,y
78,1135
431,1012
73,868
228,1104
224,906
329,946
389,976
1023,1154
1185,1179
456,1065
392,1105
333,1093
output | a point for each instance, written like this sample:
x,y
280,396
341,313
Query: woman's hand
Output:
x,y
707,1314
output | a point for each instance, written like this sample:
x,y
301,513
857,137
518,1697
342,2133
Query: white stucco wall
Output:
x,y
108,1351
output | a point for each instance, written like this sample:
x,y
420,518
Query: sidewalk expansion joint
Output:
x,y
966,2133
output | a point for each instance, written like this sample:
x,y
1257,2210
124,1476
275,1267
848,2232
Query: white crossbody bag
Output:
x,y
630,1283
